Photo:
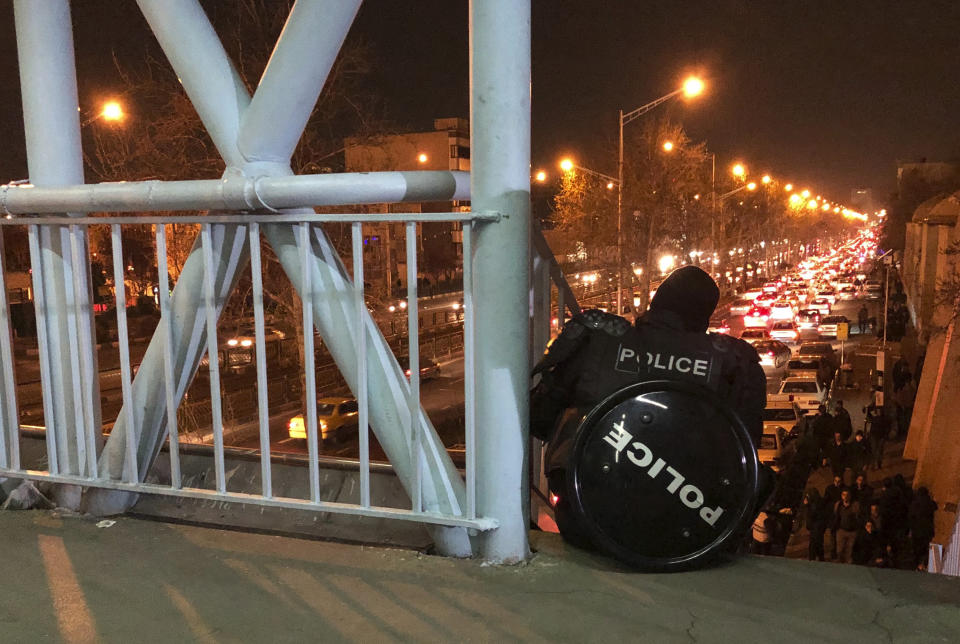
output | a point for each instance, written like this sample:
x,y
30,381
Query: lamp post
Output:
x,y
691,88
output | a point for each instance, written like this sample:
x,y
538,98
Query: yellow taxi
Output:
x,y
336,420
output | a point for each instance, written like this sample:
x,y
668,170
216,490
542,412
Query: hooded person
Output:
x,y
598,353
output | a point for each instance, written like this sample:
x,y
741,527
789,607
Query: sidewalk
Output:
x,y
68,580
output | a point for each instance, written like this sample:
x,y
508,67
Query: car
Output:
x,y
781,310
829,294
771,287
718,325
849,293
821,304
828,325
808,393
758,316
807,319
766,299
773,353
770,449
781,422
753,294
741,306
428,368
754,335
336,420
784,330
819,349
873,290
810,367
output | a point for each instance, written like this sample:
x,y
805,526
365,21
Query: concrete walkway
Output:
x,y
65,579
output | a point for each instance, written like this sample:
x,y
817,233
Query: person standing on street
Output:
x,y
863,320
841,420
846,524
816,515
920,520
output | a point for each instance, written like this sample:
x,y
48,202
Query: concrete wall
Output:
x,y
934,436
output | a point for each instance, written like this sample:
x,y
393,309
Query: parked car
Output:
x,y
782,415
873,290
828,325
785,331
336,420
773,353
808,393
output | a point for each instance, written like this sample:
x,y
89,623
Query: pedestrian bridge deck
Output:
x,y
69,580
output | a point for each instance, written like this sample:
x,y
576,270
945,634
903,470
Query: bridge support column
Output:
x,y
500,181
59,254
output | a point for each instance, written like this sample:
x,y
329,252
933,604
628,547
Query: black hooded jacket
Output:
x,y
599,353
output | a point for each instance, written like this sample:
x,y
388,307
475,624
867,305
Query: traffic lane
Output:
x,y
441,397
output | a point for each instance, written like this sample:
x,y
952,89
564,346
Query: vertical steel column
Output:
x,y
263,404
500,181
120,295
52,131
9,415
169,387
363,395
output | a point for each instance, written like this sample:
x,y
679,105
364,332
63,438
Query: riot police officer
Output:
x,y
598,354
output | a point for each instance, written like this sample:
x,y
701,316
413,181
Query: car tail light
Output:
x,y
769,353
553,499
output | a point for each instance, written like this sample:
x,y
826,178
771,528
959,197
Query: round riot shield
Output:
x,y
663,475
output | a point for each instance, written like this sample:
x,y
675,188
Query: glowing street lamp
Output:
x,y
739,171
666,263
805,194
422,158
668,146
566,165
112,111
693,87
752,185
788,187
541,176
766,179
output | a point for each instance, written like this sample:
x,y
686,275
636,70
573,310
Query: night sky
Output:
x,y
825,93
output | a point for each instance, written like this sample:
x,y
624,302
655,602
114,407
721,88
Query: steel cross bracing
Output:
x,y
256,137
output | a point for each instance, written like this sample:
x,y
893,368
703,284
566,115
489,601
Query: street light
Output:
x,y
766,179
568,165
668,146
111,111
739,171
541,176
691,88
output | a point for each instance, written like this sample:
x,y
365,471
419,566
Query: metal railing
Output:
x,y
86,429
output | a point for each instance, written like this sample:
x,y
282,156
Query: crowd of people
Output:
x,y
888,526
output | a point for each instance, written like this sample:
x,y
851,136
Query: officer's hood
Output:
x,y
686,299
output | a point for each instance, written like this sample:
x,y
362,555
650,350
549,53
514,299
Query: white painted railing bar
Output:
x,y
413,362
10,422
43,347
310,373
433,518
260,218
126,376
166,323
363,402
87,442
213,356
469,387
263,403
73,340
235,192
